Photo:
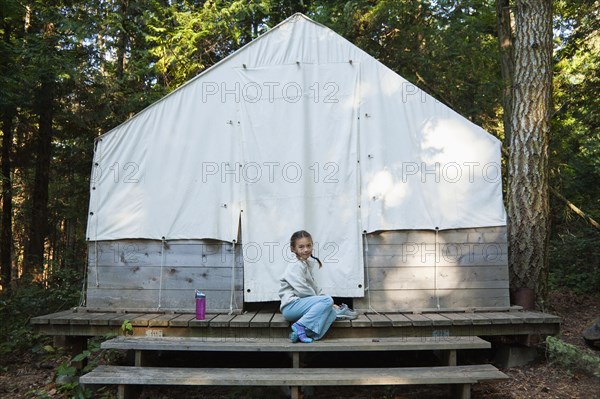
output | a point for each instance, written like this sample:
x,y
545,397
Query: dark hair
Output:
x,y
303,234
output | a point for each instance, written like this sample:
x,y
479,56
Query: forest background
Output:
x,y
72,70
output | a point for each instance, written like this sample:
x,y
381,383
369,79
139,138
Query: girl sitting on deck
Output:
x,y
301,299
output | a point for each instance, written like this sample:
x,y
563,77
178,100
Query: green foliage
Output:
x,y
575,258
127,327
575,147
60,291
571,357
66,372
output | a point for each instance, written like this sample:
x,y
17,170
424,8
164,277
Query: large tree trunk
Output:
x,y
7,113
505,40
38,228
528,207
6,234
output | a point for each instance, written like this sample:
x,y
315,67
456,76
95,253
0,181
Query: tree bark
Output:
x,y
528,193
38,227
6,243
505,41
7,112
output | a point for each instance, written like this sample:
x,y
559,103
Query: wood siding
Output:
x,y
419,270
134,274
404,271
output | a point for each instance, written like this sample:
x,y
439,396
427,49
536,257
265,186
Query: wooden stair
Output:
x,y
127,378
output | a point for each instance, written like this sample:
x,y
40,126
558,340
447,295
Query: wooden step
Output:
x,y
124,375
284,345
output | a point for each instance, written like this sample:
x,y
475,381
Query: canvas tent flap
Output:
x,y
423,166
150,177
300,148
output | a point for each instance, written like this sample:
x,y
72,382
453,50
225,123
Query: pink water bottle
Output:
x,y
200,305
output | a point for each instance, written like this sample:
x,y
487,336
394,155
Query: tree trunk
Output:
x,y
38,228
122,40
7,113
505,40
6,243
528,202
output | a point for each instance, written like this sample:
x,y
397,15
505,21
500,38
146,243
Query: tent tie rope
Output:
x,y
232,279
368,287
435,286
162,265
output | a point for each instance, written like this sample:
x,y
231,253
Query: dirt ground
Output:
x,y
33,374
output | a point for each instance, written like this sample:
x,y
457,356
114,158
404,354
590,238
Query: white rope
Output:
x,y
232,279
162,264
96,261
97,148
437,297
367,271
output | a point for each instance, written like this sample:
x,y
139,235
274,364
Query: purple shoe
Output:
x,y
301,333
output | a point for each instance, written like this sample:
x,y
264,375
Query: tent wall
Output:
x,y
139,274
405,270
454,269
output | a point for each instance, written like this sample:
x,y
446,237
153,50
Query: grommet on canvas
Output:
x,y
244,65
350,61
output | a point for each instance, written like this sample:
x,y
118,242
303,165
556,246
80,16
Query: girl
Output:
x,y
301,299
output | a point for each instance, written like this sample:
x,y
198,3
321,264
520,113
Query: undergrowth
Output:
x,y
571,357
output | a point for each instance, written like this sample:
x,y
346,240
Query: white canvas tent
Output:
x,y
299,129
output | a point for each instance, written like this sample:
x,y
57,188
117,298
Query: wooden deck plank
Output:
x,y
144,319
459,319
418,319
379,320
63,317
533,317
221,320
121,317
478,319
438,319
182,320
203,323
279,321
93,319
497,318
269,344
162,320
262,319
399,320
361,321
342,324
102,319
242,320
291,376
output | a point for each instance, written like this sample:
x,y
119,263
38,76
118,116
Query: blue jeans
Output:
x,y
313,312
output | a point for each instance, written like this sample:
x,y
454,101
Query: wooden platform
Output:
x,y
143,372
270,323
462,376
